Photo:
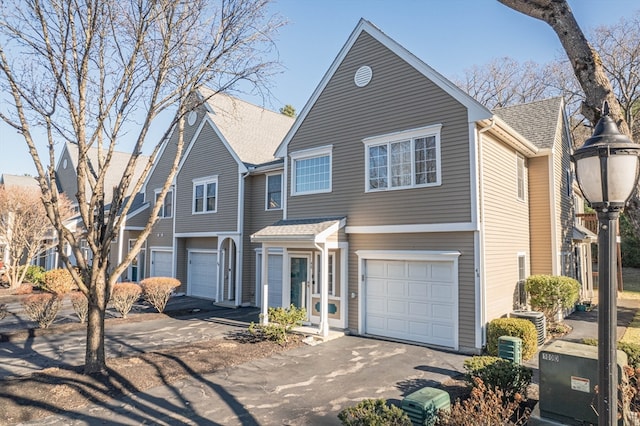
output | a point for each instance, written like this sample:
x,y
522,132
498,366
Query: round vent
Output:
x,y
191,118
363,76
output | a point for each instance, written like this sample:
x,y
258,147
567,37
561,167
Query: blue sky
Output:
x,y
449,35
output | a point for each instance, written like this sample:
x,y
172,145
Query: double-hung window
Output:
x,y
408,159
166,210
205,195
274,191
311,170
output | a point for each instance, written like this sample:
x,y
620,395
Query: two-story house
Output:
x,y
411,211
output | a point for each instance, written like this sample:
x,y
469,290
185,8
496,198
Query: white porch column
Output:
x,y
264,319
324,292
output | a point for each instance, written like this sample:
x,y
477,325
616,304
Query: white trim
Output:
x,y
307,154
555,263
475,111
258,283
134,228
204,182
285,186
403,136
266,190
138,210
409,255
420,227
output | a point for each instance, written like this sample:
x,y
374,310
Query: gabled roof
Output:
x,y
18,181
310,230
116,168
475,110
537,121
252,132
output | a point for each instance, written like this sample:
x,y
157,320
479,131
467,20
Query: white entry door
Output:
x,y
411,300
203,274
161,263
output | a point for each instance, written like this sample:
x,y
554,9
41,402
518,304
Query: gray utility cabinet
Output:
x,y
568,376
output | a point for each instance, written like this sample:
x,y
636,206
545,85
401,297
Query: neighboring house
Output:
x,y
227,186
411,211
67,181
13,181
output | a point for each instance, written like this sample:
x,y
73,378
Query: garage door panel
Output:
x,y
161,262
411,300
203,274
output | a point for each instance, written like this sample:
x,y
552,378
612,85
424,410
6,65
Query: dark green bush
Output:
x,y
631,349
515,327
497,373
374,412
281,322
630,247
550,293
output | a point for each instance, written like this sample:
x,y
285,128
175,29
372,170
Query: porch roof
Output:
x,y
580,233
313,230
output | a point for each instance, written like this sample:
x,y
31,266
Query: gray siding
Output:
x,y
256,218
67,178
460,241
398,98
208,157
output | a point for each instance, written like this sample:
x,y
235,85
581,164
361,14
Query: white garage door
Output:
x,y
203,274
161,263
411,300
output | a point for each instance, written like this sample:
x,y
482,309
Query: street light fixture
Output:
x,y
607,173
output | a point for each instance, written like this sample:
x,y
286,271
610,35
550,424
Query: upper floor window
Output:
x,y
274,192
407,159
311,170
205,195
520,169
166,210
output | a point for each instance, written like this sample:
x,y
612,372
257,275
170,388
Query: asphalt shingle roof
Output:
x,y
253,132
537,121
18,181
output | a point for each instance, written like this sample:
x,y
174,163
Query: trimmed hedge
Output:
x,y
497,373
515,327
550,293
631,349
374,412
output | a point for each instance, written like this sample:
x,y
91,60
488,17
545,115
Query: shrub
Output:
x,y
3,311
58,281
157,290
281,322
34,275
485,406
80,305
123,296
24,289
497,373
550,293
631,349
516,327
373,412
42,308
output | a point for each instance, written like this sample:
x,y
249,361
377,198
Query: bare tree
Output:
x,y
97,73
25,228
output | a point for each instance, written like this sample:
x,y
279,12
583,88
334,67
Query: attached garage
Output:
x,y
161,263
411,296
202,273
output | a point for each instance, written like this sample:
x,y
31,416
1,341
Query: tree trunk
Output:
x,y
95,360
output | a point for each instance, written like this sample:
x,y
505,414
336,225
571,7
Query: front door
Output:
x,y
300,273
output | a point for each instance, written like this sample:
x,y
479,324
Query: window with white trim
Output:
x,y
311,171
274,192
166,210
520,170
408,159
205,195
522,276
317,284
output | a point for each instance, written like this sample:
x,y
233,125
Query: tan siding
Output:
x,y
208,157
506,225
398,98
461,241
256,218
540,222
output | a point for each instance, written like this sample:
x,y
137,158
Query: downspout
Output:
x,y
481,274
240,249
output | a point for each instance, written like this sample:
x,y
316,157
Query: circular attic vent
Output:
x,y
191,118
363,76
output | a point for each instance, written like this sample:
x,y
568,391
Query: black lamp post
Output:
x,y
607,172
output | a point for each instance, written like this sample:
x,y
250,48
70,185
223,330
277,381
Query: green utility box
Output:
x,y
568,377
422,406
510,347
